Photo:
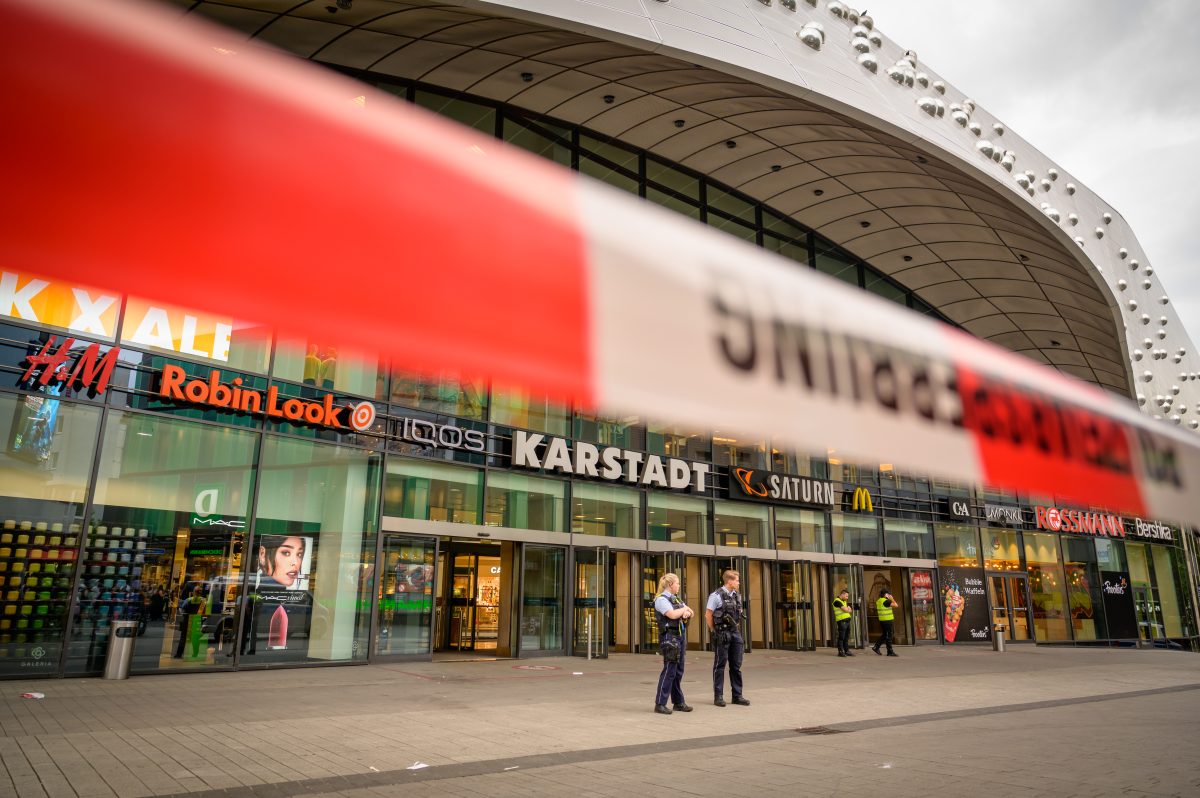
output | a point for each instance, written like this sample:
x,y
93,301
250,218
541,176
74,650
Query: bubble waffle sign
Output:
x,y
233,396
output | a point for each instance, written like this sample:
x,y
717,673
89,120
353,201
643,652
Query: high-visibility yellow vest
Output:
x,y
841,610
885,612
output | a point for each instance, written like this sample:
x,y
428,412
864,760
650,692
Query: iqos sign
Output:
x,y
444,436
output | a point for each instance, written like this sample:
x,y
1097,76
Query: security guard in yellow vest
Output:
x,y
885,605
842,611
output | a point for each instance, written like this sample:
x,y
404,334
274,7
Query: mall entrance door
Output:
x,y
877,580
1009,596
846,577
475,591
406,578
716,567
654,566
592,587
794,605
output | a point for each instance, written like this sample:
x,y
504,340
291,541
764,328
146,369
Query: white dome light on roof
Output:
x,y
812,34
867,61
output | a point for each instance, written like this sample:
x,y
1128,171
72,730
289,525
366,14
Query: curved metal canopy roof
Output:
x,y
977,256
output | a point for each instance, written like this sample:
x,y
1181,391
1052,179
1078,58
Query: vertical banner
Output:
x,y
1118,605
965,615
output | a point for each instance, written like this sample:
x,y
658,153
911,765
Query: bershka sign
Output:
x,y
610,462
1078,521
1003,514
765,486
91,369
214,393
1152,530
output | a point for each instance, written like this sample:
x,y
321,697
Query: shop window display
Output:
x,y
1001,550
43,453
312,561
1084,595
165,543
1046,584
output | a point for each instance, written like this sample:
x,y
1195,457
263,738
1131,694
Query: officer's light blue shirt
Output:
x,y
663,603
714,599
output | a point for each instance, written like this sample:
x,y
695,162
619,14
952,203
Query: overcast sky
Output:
x,y
1108,89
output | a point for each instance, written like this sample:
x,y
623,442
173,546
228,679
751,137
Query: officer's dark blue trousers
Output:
x,y
669,681
730,653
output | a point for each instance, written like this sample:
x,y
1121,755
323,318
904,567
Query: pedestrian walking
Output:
x,y
885,605
672,615
724,616
842,612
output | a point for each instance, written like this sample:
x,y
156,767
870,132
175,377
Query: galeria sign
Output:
x,y
611,462
214,393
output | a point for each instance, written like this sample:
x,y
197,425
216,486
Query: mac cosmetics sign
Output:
x,y
612,463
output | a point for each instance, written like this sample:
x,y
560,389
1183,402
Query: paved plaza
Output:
x,y
937,721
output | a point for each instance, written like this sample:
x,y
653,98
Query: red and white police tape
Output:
x,y
166,157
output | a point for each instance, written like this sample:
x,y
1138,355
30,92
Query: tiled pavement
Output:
x,y
937,720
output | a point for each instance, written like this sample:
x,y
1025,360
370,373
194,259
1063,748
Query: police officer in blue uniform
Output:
x,y
724,616
672,615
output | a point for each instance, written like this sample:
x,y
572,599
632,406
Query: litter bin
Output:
x,y
120,649
998,638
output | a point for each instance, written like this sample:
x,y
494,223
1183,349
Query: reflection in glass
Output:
x,y
675,442
729,450
313,556
406,583
908,539
542,599
740,524
521,502
603,510
44,466
515,409
1001,551
957,545
1046,582
801,530
677,519
330,367
855,534
446,394
432,491
1083,589
624,432
165,543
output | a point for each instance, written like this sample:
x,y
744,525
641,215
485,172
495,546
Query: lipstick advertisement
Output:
x,y
964,603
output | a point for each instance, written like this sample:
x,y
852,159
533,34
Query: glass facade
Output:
x,y
236,542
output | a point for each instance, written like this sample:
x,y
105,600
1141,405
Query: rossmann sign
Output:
x,y
211,392
766,486
1079,522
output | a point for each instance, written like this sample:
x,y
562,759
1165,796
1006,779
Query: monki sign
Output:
x,y
232,396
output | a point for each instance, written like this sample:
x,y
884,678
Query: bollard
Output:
x,y
998,639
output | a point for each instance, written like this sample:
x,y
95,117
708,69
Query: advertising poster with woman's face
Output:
x,y
285,560
283,605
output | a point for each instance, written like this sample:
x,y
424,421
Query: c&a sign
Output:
x,y
1078,521
233,396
